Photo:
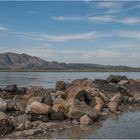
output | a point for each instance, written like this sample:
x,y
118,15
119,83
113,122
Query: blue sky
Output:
x,y
103,32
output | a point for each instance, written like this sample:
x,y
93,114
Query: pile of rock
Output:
x,y
82,101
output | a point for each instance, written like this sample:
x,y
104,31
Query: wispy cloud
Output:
x,y
100,19
68,37
123,46
60,37
135,34
109,4
112,7
4,29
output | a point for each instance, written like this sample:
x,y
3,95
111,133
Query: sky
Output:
x,y
100,32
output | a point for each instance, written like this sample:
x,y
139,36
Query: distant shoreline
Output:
x,y
69,70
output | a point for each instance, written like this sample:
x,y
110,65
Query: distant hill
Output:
x,y
14,62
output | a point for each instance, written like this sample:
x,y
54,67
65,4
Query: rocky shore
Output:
x,y
27,111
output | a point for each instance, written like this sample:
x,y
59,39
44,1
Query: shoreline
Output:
x,y
66,71
27,111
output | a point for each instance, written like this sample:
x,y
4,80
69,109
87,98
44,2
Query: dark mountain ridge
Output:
x,y
14,61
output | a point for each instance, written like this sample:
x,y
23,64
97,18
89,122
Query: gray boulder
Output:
x,y
116,78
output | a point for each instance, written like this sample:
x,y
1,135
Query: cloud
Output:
x,y
134,34
68,37
3,29
110,4
60,37
112,7
103,18
123,46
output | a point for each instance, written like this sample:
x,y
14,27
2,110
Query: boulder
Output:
x,y
11,88
112,106
5,125
38,108
24,126
60,85
137,100
131,100
123,82
77,108
94,92
99,103
104,97
125,100
83,82
117,98
16,105
116,78
3,105
124,91
0,89
109,89
58,109
78,93
133,87
85,120
6,95
22,90
38,117
75,122
26,133
92,103
115,101
18,120
60,94
39,93
3,116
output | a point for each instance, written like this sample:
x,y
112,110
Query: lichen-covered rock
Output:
x,y
38,108
85,120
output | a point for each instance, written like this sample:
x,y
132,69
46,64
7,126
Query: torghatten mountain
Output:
x,y
13,61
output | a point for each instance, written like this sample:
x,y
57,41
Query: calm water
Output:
x,y
48,79
125,126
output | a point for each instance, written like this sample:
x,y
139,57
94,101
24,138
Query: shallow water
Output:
x,y
125,126
48,79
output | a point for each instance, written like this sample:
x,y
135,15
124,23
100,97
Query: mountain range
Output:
x,y
15,62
